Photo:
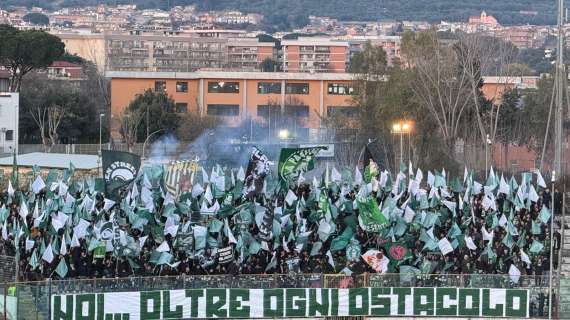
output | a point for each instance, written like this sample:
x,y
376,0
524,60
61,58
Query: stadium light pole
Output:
x,y
401,128
551,273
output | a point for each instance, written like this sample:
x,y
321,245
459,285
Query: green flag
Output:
x,y
15,171
341,241
370,217
34,259
61,269
119,169
536,247
294,161
353,250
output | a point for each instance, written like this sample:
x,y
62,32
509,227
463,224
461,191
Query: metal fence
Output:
x,y
34,297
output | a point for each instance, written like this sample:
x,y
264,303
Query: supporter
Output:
x,y
310,234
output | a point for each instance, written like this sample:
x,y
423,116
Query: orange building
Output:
x,y
237,96
494,87
314,55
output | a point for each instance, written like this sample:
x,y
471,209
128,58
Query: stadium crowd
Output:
x,y
310,227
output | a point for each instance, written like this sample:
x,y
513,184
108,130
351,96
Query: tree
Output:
x,y
79,107
24,51
36,18
200,124
130,122
440,86
479,56
159,113
269,65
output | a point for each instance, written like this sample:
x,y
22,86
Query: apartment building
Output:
x,y
237,96
391,45
314,55
183,52
89,46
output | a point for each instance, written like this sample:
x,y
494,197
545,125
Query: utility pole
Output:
x,y
560,90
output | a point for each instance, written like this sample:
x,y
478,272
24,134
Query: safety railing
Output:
x,y
34,298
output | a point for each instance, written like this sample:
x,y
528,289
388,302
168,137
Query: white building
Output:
x,y
9,112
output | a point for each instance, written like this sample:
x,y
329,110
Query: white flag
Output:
x,y
540,180
38,184
74,241
335,175
486,235
164,247
63,248
208,195
290,198
525,258
445,246
142,240
504,188
29,244
10,188
514,273
24,210
48,254
470,244
357,177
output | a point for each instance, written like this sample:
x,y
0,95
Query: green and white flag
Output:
x,y
119,169
370,217
294,161
61,269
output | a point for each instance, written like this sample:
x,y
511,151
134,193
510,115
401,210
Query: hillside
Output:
x,y
291,13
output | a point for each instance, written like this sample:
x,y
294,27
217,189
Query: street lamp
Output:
x,y
146,140
401,128
101,115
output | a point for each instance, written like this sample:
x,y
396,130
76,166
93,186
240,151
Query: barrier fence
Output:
x,y
34,300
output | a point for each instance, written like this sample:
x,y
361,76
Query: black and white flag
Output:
x,y
257,169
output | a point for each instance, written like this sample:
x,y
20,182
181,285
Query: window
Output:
x,y
268,111
224,110
160,86
181,86
297,111
269,87
340,89
297,88
181,107
9,135
346,111
223,87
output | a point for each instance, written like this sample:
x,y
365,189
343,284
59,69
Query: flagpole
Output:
x,y
550,274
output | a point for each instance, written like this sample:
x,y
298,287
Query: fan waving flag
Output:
x,y
294,161
257,169
119,170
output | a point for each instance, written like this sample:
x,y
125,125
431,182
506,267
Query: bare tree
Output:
x,y
441,87
480,56
130,121
39,114
55,115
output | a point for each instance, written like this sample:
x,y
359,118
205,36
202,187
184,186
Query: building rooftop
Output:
x,y
230,75
53,160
